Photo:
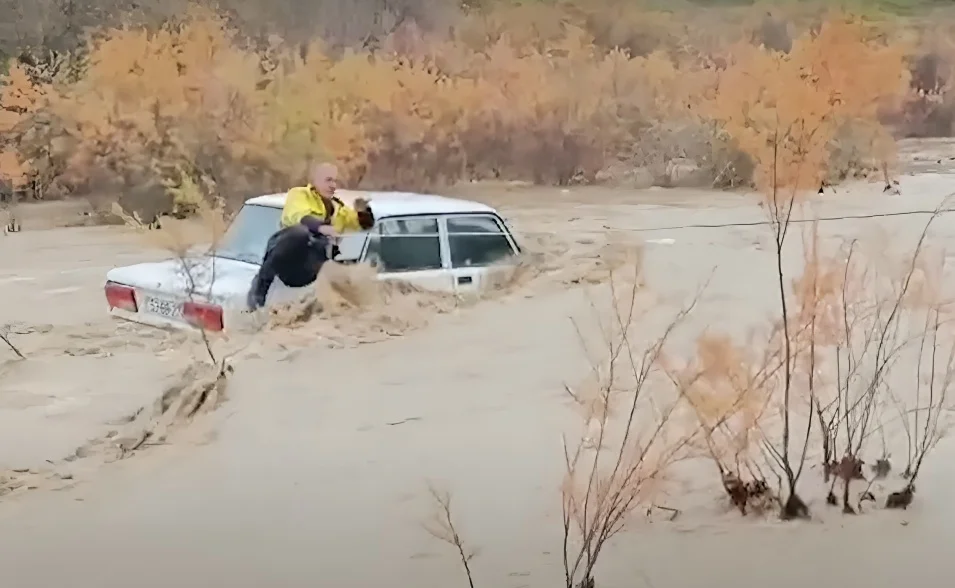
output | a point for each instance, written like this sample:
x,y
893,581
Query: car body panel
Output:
x,y
388,204
472,279
224,278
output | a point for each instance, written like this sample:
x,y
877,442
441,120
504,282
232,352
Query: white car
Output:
x,y
434,242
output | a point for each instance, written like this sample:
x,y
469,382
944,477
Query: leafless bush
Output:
x,y
872,325
853,328
921,422
864,351
442,528
618,464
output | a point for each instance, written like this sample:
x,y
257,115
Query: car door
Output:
x,y
477,243
410,248
350,249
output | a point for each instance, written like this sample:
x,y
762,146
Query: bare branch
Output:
x,y
5,337
599,493
443,529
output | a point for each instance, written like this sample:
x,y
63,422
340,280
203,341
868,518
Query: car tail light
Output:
x,y
204,316
121,297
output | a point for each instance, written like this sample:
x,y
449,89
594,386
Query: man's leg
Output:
x,y
303,270
285,248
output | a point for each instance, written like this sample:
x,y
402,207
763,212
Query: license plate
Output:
x,y
163,307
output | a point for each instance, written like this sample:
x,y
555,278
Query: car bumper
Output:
x,y
150,320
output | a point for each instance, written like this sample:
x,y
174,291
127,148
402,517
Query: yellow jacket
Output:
x,y
306,201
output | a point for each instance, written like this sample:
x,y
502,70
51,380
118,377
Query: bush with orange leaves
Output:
x,y
785,110
22,103
153,108
194,102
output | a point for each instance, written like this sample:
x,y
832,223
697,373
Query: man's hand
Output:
x,y
366,218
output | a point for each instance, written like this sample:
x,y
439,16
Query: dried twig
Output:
x,y
925,435
443,529
5,337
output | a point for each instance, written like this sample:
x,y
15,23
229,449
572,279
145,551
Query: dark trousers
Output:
x,y
294,255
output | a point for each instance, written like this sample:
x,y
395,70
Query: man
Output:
x,y
312,221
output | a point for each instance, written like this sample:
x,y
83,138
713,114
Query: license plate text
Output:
x,y
166,308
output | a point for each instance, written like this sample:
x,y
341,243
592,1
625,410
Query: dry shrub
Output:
x,y
874,328
192,244
784,110
442,528
833,381
729,388
631,436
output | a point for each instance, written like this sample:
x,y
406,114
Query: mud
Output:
x,y
313,461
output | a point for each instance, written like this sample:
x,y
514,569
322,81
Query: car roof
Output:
x,y
387,204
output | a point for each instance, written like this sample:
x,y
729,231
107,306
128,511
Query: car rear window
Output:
x,y
250,231
247,236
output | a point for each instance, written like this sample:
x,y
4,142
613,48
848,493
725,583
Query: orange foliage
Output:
x,y
551,103
435,113
784,110
821,293
20,98
159,100
729,390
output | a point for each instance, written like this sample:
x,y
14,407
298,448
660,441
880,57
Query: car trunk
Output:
x,y
162,289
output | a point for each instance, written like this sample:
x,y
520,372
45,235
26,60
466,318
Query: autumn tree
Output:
x,y
21,101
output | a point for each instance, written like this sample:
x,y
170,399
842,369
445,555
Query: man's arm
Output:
x,y
297,208
357,218
345,219
300,209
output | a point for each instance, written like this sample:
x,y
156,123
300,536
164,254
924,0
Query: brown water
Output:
x,y
314,470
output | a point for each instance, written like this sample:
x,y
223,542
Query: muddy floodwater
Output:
x,y
314,470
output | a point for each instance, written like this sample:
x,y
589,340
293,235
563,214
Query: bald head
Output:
x,y
324,177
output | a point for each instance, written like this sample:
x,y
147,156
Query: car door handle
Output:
x,y
465,279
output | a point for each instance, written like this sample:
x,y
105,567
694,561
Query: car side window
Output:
x,y
477,240
405,245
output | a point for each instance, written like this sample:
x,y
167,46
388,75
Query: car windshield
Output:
x,y
249,233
